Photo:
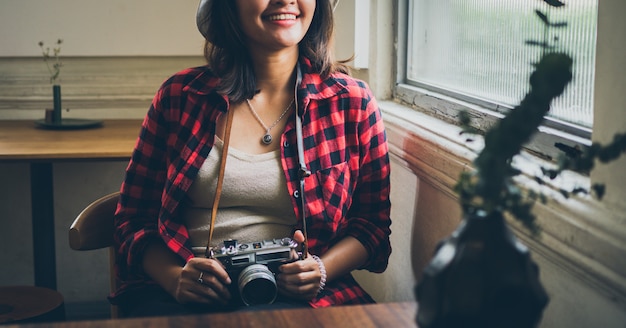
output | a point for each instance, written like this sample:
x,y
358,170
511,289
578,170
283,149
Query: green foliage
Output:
x,y
491,187
55,67
584,161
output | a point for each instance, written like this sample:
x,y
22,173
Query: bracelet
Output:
x,y
320,264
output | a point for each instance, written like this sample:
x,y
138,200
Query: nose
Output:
x,y
283,2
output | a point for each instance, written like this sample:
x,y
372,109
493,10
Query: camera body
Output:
x,y
254,266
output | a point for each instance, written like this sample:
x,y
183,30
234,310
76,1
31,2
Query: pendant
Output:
x,y
267,138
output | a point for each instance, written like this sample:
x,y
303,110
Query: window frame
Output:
x,y
447,104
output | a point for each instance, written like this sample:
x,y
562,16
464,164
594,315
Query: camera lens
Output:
x,y
257,285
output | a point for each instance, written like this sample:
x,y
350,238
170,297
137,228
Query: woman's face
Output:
x,y
275,24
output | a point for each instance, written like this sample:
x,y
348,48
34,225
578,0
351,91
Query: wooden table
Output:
x,y
21,141
361,316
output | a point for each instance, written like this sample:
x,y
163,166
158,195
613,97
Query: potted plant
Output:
x,y
54,64
481,276
53,118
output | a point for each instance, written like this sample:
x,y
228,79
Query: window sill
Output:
x,y
448,108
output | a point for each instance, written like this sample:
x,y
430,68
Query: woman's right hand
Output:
x,y
203,281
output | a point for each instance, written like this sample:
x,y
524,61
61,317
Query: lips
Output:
x,y
279,17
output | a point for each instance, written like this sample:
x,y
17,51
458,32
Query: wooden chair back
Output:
x,y
93,229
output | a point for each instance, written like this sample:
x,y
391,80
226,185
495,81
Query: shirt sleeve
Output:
x,y
140,195
368,219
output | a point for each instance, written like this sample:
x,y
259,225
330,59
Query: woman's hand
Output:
x,y
299,279
182,281
204,281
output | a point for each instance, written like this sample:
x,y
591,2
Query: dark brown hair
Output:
x,y
227,54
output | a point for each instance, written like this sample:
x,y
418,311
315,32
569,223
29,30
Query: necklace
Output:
x,y
267,137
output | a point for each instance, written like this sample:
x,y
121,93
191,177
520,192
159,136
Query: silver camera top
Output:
x,y
233,254
232,246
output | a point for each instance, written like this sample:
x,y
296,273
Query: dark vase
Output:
x,y
481,276
56,111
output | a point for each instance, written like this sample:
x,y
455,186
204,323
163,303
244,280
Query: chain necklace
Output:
x,y
267,137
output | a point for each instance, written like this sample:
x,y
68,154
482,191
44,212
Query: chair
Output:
x,y
93,229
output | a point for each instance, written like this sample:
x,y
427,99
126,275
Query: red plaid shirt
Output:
x,y
345,149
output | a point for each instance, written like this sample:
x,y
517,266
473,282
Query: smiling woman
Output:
x,y
327,180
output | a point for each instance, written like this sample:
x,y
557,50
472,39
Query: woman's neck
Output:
x,y
267,112
274,72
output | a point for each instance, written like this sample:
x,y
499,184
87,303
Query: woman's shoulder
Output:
x,y
348,80
335,84
352,86
195,71
199,79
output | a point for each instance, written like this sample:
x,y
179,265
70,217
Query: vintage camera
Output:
x,y
253,267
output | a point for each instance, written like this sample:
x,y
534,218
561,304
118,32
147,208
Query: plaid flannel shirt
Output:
x,y
345,149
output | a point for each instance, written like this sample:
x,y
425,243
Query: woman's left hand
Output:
x,y
299,279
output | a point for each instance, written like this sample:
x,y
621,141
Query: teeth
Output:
x,y
282,17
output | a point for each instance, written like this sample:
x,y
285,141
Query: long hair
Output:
x,y
227,54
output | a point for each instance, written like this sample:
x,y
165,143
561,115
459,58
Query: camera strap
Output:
x,y
220,180
303,172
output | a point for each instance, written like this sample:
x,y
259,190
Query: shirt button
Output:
x,y
296,194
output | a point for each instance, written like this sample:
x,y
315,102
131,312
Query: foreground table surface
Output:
x,y
361,316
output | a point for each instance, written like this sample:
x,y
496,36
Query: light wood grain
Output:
x,y
23,141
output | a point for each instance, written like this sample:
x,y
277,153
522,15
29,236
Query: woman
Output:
x,y
257,51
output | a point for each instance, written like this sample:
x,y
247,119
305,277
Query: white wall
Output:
x,y
610,98
100,28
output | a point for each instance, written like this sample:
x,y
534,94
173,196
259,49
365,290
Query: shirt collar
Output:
x,y
314,87
203,83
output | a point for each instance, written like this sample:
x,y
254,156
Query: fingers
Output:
x,y
298,236
300,279
203,281
201,294
204,293
213,267
300,290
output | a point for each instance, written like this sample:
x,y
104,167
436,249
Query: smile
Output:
x,y
282,17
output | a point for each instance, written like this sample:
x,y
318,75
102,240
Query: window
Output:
x,y
475,51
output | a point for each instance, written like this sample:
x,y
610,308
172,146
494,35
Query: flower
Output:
x,y
55,67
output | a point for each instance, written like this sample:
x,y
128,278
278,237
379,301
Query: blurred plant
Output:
x,y
55,67
491,187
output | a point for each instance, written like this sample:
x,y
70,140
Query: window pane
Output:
x,y
477,48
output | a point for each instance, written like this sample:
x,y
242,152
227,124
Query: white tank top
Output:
x,y
254,205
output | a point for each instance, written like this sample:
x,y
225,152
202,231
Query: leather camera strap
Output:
x,y
220,180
